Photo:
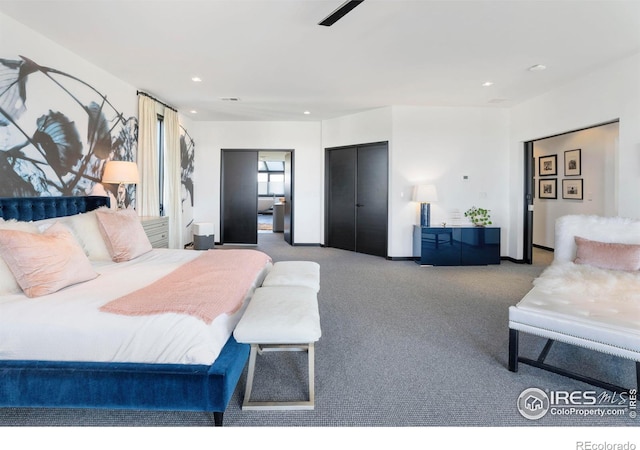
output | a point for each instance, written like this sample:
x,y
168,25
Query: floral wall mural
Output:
x,y
57,144
187,149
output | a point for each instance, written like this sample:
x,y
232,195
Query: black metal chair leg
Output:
x,y
513,350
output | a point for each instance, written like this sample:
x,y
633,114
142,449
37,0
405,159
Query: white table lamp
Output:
x,y
120,173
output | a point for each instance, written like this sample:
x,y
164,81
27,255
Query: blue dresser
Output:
x,y
456,246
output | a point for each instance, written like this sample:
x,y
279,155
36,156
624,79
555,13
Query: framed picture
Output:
x,y
548,165
572,188
548,188
572,163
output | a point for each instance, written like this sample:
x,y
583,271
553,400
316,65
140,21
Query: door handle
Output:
x,y
359,205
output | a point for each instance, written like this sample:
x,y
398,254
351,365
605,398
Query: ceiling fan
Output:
x,y
339,13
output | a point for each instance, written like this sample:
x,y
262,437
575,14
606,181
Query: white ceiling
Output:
x,y
274,57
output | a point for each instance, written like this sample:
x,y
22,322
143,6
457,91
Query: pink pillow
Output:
x,y
606,255
8,282
45,263
123,234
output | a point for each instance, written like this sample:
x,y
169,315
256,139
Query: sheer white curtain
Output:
x,y
173,177
148,197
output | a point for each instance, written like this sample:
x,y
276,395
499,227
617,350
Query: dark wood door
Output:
x,y
341,198
371,199
288,198
239,197
529,190
357,198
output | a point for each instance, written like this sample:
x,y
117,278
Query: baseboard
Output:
x,y
402,258
513,260
307,245
542,247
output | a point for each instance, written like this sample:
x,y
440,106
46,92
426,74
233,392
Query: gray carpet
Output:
x,y
402,346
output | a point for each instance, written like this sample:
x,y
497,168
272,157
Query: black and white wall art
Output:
x,y
56,133
187,149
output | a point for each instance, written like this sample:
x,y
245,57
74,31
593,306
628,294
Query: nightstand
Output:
x,y
157,230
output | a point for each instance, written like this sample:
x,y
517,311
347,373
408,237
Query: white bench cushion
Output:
x,y
591,322
280,315
294,273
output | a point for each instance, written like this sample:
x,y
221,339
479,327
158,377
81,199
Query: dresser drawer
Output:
x,y
157,230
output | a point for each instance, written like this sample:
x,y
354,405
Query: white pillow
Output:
x,y
8,282
86,229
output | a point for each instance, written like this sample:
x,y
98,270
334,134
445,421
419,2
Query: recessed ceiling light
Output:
x,y
537,68
307,112
487,83
196,79
193,111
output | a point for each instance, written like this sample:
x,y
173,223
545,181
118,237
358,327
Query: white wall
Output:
x,y
360,128
302,137
598,148
610,93
439,146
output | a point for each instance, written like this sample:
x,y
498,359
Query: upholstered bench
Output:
x,y
280,318
294,273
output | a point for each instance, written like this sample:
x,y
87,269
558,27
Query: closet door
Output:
x,y
341,198
239,197
357,199
371,199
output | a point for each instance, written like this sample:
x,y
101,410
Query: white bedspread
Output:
x,y
67,325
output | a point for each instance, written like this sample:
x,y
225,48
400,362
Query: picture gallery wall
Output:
x,y
574,174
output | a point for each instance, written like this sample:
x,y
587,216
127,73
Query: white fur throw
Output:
x,y
596,228
590,284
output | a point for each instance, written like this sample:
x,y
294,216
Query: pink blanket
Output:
x,y
214,283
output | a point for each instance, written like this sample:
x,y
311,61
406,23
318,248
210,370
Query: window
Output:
x,y
270,178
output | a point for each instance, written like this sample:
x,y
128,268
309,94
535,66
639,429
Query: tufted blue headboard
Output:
x,y
39,208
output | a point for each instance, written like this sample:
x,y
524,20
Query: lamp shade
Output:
x,y
425,193
117,172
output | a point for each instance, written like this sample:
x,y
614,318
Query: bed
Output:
x,y
84,346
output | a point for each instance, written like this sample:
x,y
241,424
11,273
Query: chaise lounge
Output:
x,y
589,296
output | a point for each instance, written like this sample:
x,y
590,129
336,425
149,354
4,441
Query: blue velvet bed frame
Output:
x,y
168,387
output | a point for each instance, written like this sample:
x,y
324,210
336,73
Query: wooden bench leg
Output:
x,y
311,361
256,349
250,372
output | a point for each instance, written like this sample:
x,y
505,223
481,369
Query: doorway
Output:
x,y
585,158
357,198
244,196
275,199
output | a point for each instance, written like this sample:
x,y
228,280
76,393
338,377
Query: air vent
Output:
x,y
230,99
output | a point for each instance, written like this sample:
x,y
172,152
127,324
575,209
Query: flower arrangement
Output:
x,y
480,217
